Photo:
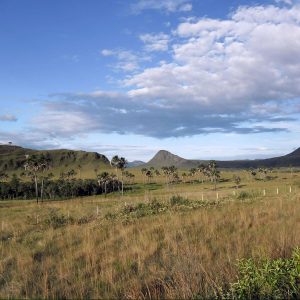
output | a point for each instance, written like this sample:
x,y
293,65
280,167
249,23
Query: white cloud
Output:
x,y
107,52
155,42
229,65
127,61
186,7
8,118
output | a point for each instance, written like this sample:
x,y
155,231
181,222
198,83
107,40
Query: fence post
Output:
x,y
217,196
202,197
290,189
277,191
97,210
264,192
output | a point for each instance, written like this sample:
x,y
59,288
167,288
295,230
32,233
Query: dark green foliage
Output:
x,y
55,189
57,220
244,195
178,200
154,207
268,279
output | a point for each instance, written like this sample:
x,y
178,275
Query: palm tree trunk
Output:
x,y
42,190
36,189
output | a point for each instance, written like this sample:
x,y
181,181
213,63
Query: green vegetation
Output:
x,y
268,279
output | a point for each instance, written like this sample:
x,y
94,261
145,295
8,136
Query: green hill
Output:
x,y
12,159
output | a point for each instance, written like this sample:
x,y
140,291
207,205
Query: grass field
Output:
x,y
157,241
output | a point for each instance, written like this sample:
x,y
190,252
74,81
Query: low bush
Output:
x,y
268,279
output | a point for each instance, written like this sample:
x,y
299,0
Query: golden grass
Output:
x,y
171,255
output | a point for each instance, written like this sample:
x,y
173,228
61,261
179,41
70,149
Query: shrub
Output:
x,y
178,200
268,279
247,195
56,220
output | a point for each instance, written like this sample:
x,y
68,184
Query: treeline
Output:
x,y
56,189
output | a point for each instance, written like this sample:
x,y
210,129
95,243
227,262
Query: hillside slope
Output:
x,y
165,158
12,159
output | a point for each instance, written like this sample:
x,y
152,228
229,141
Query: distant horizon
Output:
x,y
224,158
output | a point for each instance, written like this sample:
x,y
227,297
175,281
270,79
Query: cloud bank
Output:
x,y
238,75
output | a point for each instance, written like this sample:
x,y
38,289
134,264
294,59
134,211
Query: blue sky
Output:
x,y
200,78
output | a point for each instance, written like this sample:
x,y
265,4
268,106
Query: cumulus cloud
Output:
x,y
8,118
238,75
155,42
169,6
229,65
127,61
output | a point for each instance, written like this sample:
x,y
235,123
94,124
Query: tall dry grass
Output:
x,y
170,255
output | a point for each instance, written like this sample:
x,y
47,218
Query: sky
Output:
x,y
204,79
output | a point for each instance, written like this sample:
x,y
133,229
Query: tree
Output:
x,y
213,172
103,179
33,166
149,175
192,172
253,173
183,175
263,173
79,167
144,170
119,163
201,170
237,181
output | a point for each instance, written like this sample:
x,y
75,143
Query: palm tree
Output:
x,y
193,172
103,178
183,175
214,173
201,170
119,163
166,172
157,173
237,181
144,170
33,166
79,167
149,175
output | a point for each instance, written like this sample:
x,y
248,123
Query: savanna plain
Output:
x,y
184,240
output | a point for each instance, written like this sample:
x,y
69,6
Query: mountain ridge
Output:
x,y
166,158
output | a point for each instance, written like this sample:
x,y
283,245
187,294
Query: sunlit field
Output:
x,y
156,241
